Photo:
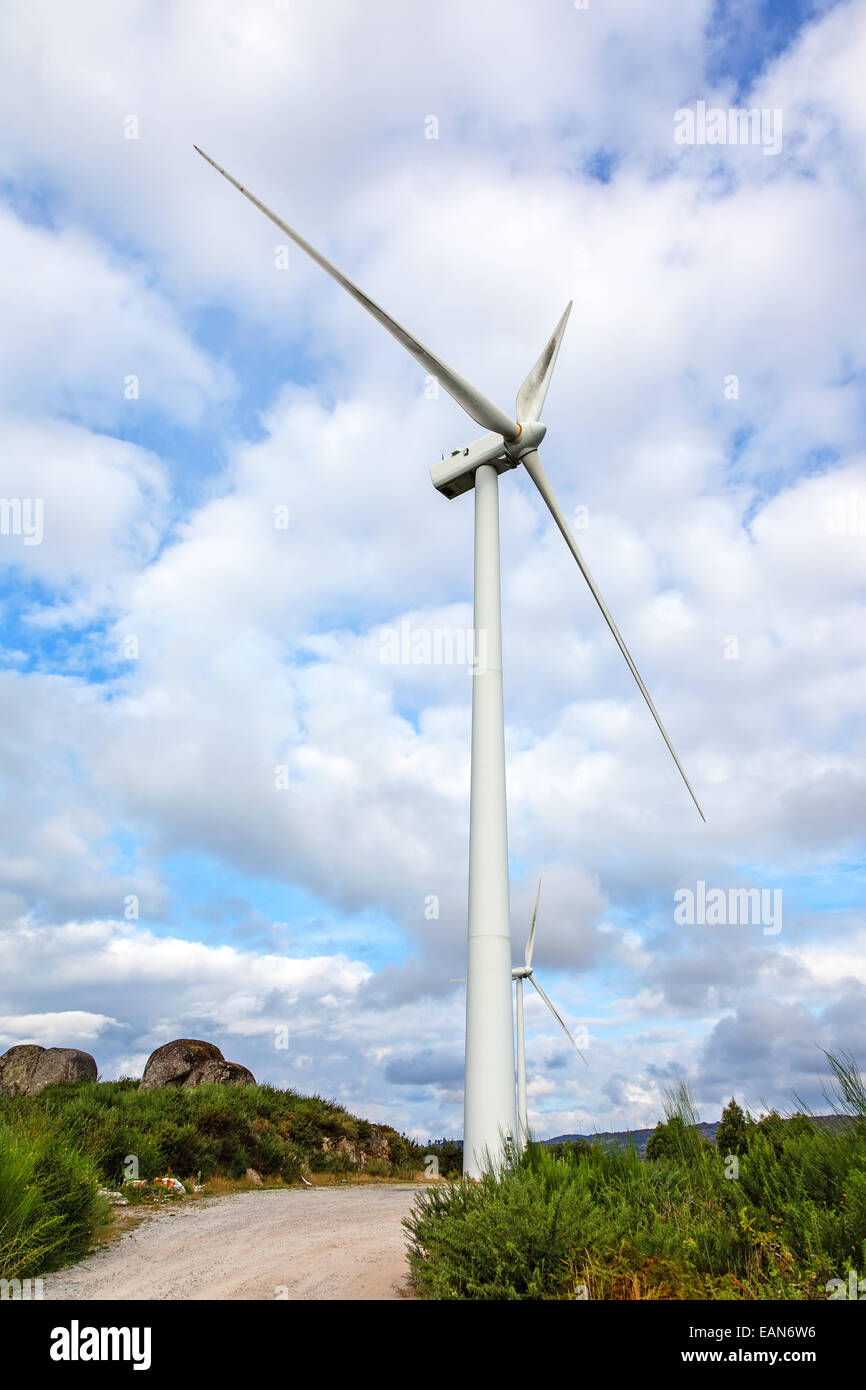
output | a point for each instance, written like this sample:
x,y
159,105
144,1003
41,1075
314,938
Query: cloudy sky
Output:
x,y
224,815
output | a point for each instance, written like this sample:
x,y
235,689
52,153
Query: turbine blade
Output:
x,y
559,1020
533,467
530,397
530,942
483,411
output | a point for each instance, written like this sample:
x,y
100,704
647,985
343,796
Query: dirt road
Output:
x,y
327,1243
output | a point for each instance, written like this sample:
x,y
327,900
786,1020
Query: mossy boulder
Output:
x,y
27,1069
192,1062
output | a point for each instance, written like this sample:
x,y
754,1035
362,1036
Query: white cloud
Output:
x,y
70,1028
86,335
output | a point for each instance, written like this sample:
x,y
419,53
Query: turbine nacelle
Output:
x,y
456,473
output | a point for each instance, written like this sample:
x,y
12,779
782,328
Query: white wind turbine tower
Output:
x,y
489,1108
519,974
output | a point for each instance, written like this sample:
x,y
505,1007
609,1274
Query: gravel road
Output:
x,y
326,1243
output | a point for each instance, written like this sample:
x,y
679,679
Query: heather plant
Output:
x,y
683,1224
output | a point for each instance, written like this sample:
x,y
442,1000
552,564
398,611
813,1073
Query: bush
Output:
x,y
675,1227
49,1208
449,1153
377,1168
292,1163
240,1163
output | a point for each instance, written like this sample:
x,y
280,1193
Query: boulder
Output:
x,y
226,1073
191,1062
63,1064
171,1064
252,1176
28,1069
17,1068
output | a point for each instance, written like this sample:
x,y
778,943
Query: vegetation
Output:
x,y
49,1203
687,1223
571,1220
449,1157
732,1135
58,1148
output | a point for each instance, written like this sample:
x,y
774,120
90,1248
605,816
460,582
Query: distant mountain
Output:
x,y
623,1137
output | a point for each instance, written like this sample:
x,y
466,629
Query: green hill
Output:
x,y
58,1148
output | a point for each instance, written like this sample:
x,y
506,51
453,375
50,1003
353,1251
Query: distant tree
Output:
x,y
799,1124
667,1139
570,1148
778,1131
732,1134
772,1127
449,1152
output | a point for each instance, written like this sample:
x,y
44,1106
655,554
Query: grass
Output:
x,y
602,1223
49,1203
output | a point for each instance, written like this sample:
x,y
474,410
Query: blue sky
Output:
x,y
196,716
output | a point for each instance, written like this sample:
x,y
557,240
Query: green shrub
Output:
x,y
292,1164
675,1227
240,1163
49,1208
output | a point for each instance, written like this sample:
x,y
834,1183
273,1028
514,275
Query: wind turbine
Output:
x,y
489,1102
519,974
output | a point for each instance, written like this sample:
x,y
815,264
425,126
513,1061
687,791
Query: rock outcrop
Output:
x,y
360,1151
27,1069
191,1062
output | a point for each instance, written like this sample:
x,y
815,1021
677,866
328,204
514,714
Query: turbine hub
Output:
x,y
529,435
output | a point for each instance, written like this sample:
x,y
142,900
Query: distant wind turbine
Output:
x,y
519,974
489,1099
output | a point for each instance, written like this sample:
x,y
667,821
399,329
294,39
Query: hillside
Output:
x,y
60,1147
621,1138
